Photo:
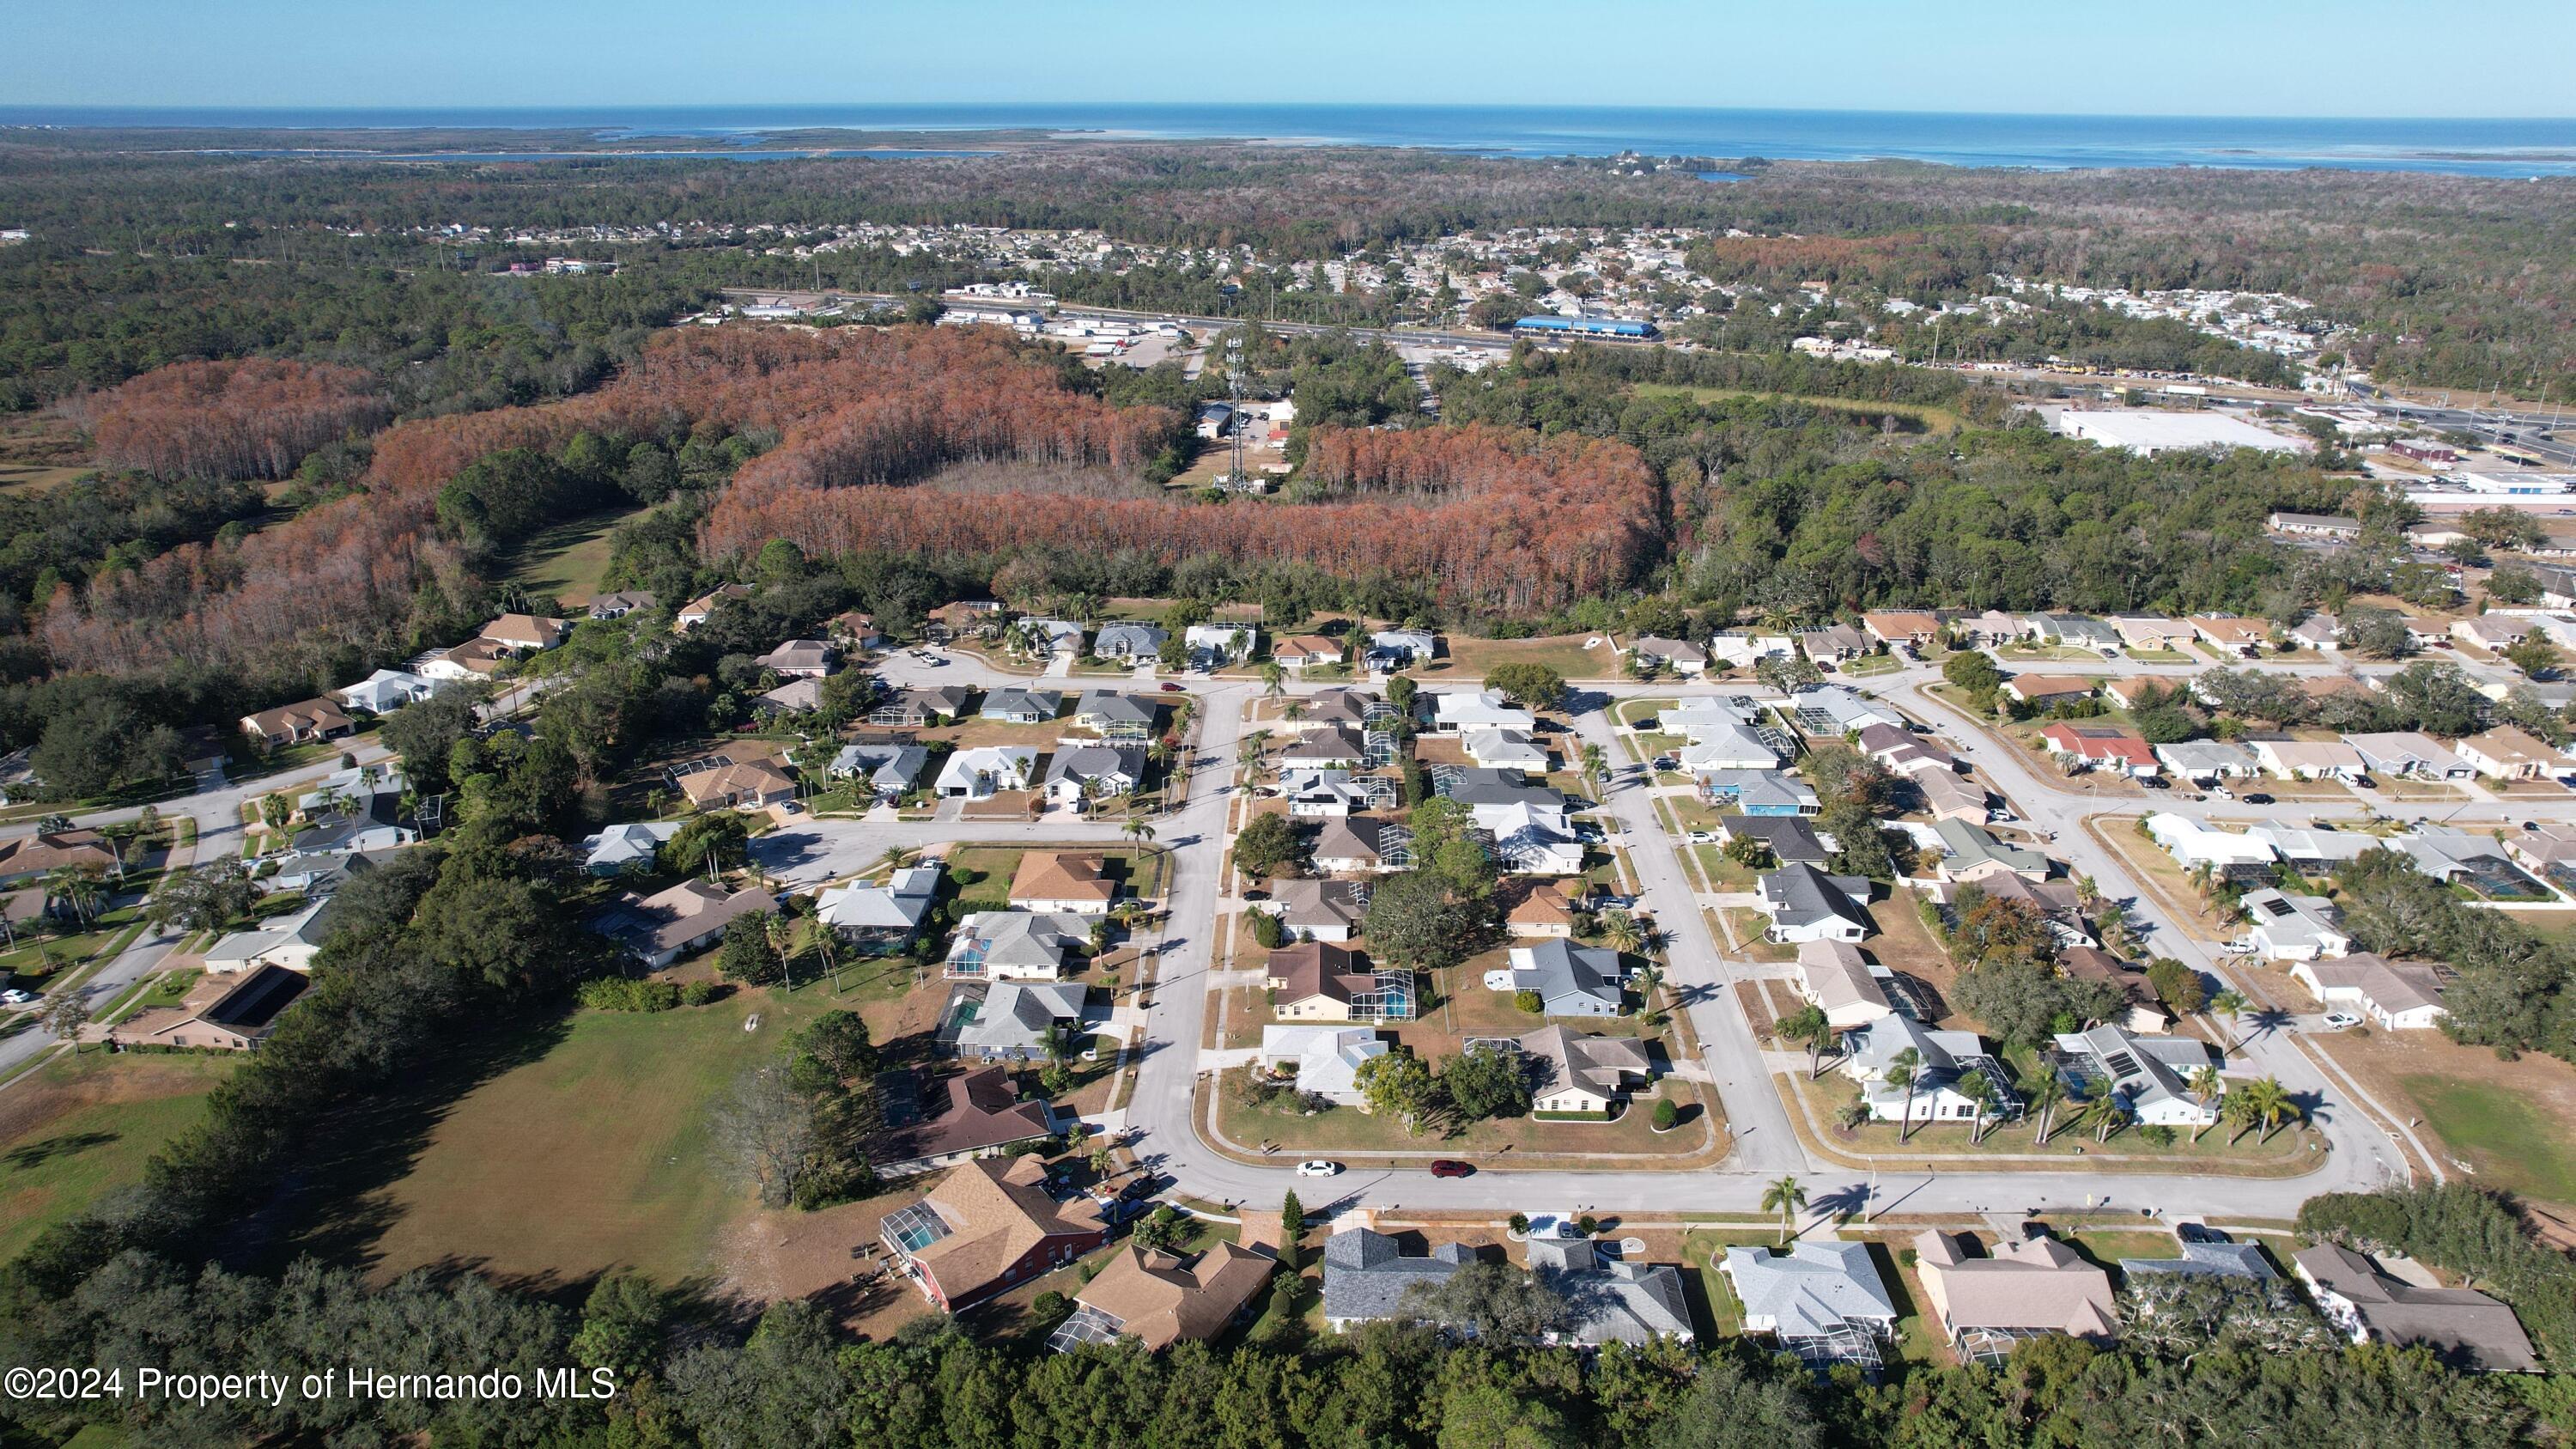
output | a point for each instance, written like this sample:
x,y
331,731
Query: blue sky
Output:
x,y
2504,58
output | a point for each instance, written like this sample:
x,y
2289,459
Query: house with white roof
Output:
x,y
2409,753
1506,750
385,691
2309,760
633,843
1820,1300
2151,1075
2204,761
987,770
1327,1057
884,917
2194,843
1736,649
1213,646
2294,928
2398,995
1719,743
1941,1059
1459,712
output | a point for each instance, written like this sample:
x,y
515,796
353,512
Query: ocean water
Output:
x,y
2500,147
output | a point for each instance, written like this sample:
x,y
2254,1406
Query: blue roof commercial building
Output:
x,y
1613,329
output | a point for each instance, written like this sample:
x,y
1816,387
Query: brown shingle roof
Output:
x,y
1063,875
1162,1298
996,1210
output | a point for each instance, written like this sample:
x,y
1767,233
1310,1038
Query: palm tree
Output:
x,y
1979,1089
1274,678
2045,1093
1619,929
275,810
79,887
1137,830
2110,1109
2231,1005
1784,1197
1900,1073
1809,1024
1596,765
2205,1089
782,939
1059,1044
2267,1102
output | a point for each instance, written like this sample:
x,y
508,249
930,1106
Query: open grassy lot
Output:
x,y
568,559
1938,419
1564,653
2512,1125
84,1125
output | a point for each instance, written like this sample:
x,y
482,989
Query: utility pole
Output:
x,y
1234,419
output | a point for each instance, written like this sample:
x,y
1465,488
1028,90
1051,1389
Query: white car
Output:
x,y
1702,837
15,997
2339,1021
1318,1168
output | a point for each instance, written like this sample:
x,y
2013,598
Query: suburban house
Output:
x,y
2151,633
2204,762
882,771
1050,636
2492,632
1160,1298
1402,648
1009,1021
1950,797
385,691
975,1112
1823,1301
2151,1076
1833,977
1788,837
884,917
1367,1273
2409,753
663,927
1805,904
2092,963
1321,981
1333,748
1129,641
1837,709
1298,652
1737,649
1329,794
525,634
2319,631
2309,760
1703,715
1724,744
1341,709
801,659
2029,1289
1570,980
2230,635
1892,627
2101,747
1212,646
920,707
795,696
1833,643
1456,712
295,724
1679,656
1975,854
1014,945
1990,628
1609,1302
291,941
1507,750
1531,839
702,608
987,770
1941,1058
1081,773
1904,752
982,617
1326,1058
2076,631
2508,753
2314,525
2551,848
25,857
1362,844
636,843
2192,843
737,785
2398,995
855,630
1113,715
987,1226
2293,927
1063,882
2462,1326
1587,1074
2040,691
1761,792
1535,910
1321,910
619,605
221,1012
1022,706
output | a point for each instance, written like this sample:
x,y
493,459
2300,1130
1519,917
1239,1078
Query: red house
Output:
x,y
988,1227
2113,747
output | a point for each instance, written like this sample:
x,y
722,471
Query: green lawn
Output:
x,y
577,1147
2513,1145
91,1121
568,559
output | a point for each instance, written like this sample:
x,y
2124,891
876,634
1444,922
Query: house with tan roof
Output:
x,y
1321,981
2462,1326
1833,977
2030,1289
2151,633
1063,881
2309,760
698,610
524,634
219,1013
2039,691
2229,634
295,724
1576,1073
26,857
738,785
1535,909
2508,753
1902,626
1160,1298
801,659
988,1226
667,925
1301,650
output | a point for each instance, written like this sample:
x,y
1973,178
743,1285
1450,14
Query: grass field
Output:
x,y
580,1146
84,1125
568,559
1564,653
2513,1144
1937,418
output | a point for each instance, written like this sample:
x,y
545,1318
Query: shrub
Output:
x,y
1667,1116
698,993
616,993
1528,1001
1267,930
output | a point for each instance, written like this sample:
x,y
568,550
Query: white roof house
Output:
x,y
987,770
1506,749
1211,644
1531,839
2192,843
2409,752
2151,1074
2294,928
1724,744
1458,712
612,849
1811,1297
1327,1057
2309,759
1942,1058
1741,650
892,911
2206,759
386,690
2400,996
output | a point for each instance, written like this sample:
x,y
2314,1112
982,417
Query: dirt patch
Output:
x,y
832,1256
97,1080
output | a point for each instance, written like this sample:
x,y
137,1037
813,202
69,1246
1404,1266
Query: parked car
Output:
x,y
2339,1020
1170,688
2258,798
1318,1168
2200,1233
1668,762
2364,782
1702,837
1450,1167
16,997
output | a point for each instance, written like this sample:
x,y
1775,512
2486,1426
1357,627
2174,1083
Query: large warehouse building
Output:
x,y
2149,431
1608,328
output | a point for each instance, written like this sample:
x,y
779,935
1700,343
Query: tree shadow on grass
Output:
x,y
333,1205
70,1144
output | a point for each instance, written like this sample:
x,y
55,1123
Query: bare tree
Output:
x,y
765,1130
